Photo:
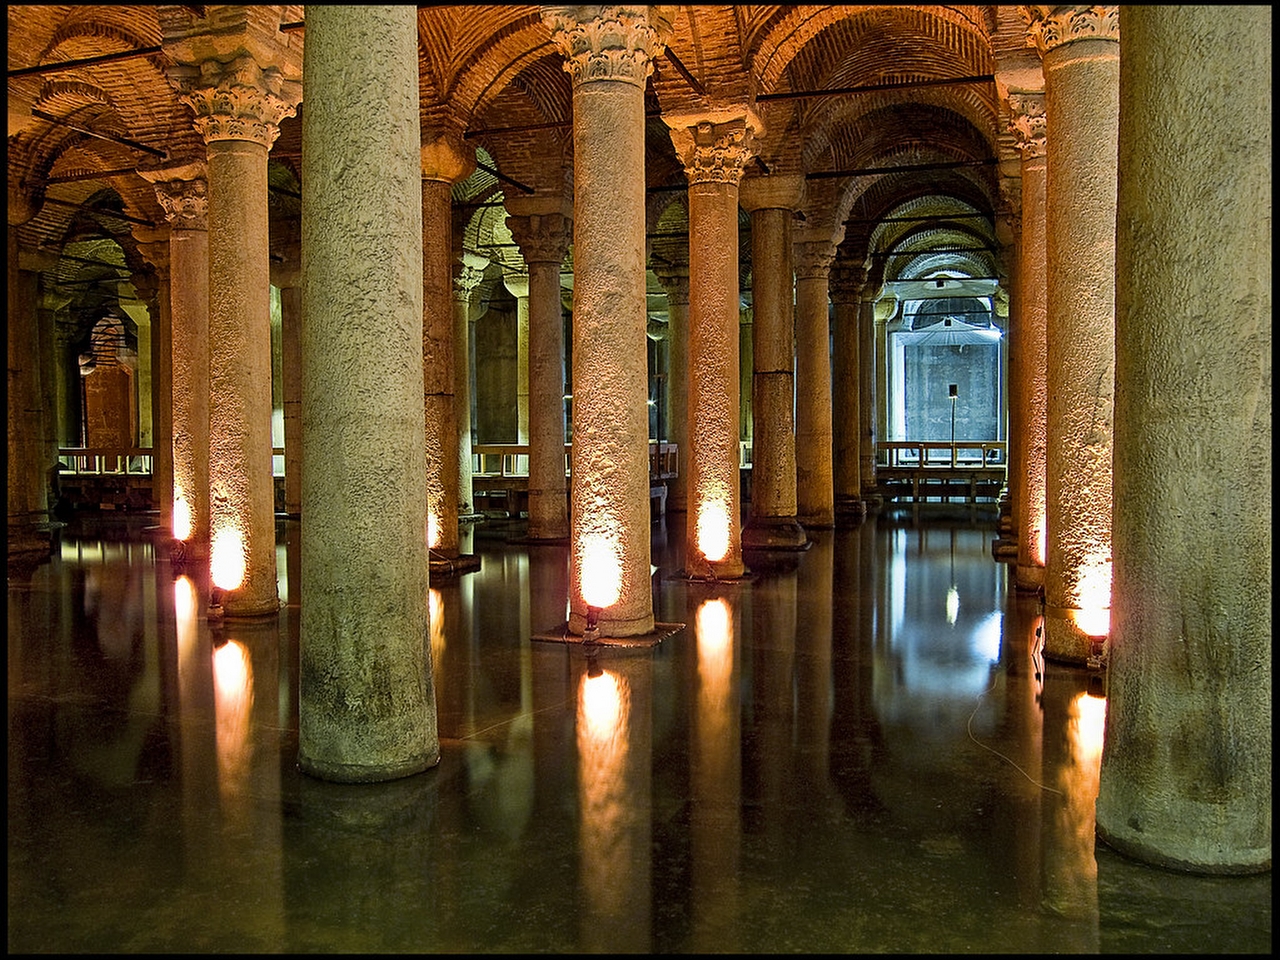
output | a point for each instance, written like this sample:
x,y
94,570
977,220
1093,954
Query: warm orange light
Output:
x,y
601,572
715,653
226,559
233,705
184,609
1093,615
713,529
601,707
433,531
435,613
181,516
1087,720
1041,549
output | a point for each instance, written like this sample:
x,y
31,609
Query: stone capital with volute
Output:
x,y
236,100
1050,27
609,42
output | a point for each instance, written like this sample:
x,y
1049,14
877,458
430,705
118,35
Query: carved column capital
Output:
x,y
1050,27
716,145
543,238
845,283
609,42
1027,122
468,276
183,193
447,158
238,100
812,258
153,244
674,278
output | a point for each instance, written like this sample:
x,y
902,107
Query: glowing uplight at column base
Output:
x,y
181,516
227,561
713,529
433,531
601,572
1041,549
1093,616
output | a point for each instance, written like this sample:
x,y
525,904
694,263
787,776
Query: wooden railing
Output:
x,y
941,453
511,460
109,461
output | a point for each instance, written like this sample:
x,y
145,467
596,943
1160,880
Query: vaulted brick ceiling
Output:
x,y
853,97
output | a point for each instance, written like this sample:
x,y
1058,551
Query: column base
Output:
x,y
774,533
446,568
232,609
367,773
1066,642
1028,577
1004,551
850,511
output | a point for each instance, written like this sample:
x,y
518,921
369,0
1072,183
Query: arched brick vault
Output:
x,y
491,75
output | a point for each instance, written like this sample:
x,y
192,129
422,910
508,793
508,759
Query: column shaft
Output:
x,y
439,373
1186,776
815,486
1031,345
367,702
871,348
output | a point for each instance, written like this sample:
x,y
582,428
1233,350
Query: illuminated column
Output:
x,y
153,244
238,106
675,282
771,202
872,345
815,486
846,393
445,160
1080,49
183,194
467,277
544,238
27,490
1186,767
713,150
609,59
367,707
1029,395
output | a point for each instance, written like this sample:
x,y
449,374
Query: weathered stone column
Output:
x,y
609,57
27,475
544,238
238,99
153,244
872,346
713,149
182,190
1186,765
1029,395
845,287
466,277
1081,59
445,160
815,485
518,287
675,282
772,202
366,700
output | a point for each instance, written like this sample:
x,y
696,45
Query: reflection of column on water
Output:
x,y
813,665
614,738
773,643
247,721
197,742
1072,753
715,775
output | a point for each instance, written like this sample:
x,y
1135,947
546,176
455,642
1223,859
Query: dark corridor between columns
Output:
x,y
856,750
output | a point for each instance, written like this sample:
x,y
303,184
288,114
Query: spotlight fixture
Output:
x,y
592,632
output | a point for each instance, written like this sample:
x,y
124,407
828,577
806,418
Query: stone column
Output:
x,y
367,706
772,202
182,190
27,491
467,276
1186,776
1081,58
544,238
872,346
713,149
815,485
291,321
238,106
1029,395
445,160
609,57
675,282
845,286
518,287
153,244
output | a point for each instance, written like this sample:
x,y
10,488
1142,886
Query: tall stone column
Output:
x,y
367,708
845,287
609,57
27,474
1186,776
815,485
518,286
1029,394
1080,50
713,149
675,282
772,202
872,346
291,321
153,244
466,277
445,160
238,105
544,238
182,190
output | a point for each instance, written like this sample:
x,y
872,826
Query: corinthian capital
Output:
x,y
542,238
609,42
183,193
1049,27
1027,123
238,100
